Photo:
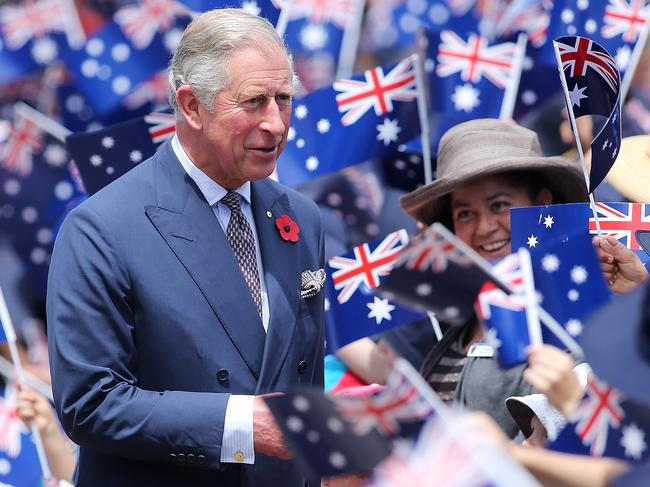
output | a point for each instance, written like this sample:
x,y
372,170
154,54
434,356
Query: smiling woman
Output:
x,y
486,167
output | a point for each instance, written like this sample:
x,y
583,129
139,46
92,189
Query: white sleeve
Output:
x,y
237,442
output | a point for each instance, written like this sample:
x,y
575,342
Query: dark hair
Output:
x,y
533,182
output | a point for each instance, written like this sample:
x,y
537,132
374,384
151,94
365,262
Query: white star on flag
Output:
x,y
108,142
465,98
490,337
633,440
311,163
623,55
323,126
313,37
135,156
300,112
574,327
577,94
532,241
550,263
380,310
579,274
388,131
548,221
573,295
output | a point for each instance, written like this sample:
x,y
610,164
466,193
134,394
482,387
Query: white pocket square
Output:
x,y
311,282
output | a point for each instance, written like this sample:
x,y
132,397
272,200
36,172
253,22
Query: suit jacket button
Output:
x,y
200,459
222,375
302,366
191,458
181,457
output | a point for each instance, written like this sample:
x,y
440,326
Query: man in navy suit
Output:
x,y
175,297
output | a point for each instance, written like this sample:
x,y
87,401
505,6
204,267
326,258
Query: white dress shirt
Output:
x,y
237,441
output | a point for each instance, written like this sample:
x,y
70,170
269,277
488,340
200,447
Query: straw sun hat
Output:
x,y
485,147
630,174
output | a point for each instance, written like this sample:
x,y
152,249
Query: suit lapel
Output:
x,y
281,263
190,228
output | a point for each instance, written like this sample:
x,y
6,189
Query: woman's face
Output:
x,y
481,213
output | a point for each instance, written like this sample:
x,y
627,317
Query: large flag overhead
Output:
x,y
592,86
606,424
354,311
352,121
104,155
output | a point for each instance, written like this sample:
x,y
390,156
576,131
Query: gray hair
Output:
x,y
201,58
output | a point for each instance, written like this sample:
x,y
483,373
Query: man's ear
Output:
x,y
188,105
545,197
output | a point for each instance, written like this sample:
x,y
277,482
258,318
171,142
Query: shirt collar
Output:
x,y
211,190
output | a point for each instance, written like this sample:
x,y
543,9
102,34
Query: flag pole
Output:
x,y
10,334
283,19
510,95
350,41
576,134
532,315
43,122
423,114
634,60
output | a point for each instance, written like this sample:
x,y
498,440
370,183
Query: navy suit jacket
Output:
x,y
148,313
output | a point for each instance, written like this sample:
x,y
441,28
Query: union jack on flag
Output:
x,y
367,266
621,220
155,90
398,402
627,19
16,153
579,54
431,250
378,91
595,415
475,58
164,126
510,272
11,427
142,22
324,11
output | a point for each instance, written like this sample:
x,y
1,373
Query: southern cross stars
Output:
x,y
548,221
532,241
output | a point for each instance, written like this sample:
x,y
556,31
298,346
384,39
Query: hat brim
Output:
x,y
611,345
564,178
630,174
521,413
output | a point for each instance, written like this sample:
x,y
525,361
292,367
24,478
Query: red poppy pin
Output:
x,y
289,229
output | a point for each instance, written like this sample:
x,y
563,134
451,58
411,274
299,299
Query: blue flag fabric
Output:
x,y
565,266
354,312
19,464
104,155
110,66
606,424
324,444
376,110
594,86
264,8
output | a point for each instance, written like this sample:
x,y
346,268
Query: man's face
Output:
x,y
247,129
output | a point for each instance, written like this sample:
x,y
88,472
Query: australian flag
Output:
x,y
565,267
19,464
504,315
354,312
606,424
109,66
377,111
323,442
432,274
104,155
264,8
593,86
474,77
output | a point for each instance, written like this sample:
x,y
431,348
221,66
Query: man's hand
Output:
x,y
550,371
267,437
622,268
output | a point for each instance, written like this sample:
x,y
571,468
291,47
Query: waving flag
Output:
x,y
621,221
398,402
16,153
606,424
142,22
377,110
432,274
104,155
592,87
354,312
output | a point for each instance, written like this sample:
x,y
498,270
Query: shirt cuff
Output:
x,y
237,441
